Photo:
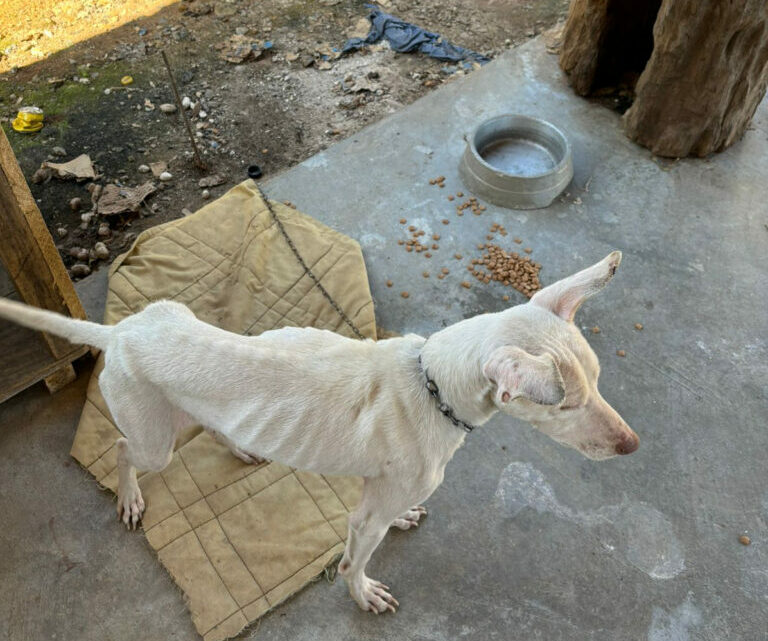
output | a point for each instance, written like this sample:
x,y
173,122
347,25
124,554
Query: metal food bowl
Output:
x,y
517,162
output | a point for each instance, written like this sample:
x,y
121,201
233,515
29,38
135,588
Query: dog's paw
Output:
x,y
130,507
251,459
373,596
410,518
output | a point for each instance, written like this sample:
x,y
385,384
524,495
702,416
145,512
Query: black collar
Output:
x,y
445,409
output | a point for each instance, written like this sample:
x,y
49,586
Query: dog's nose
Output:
x,y
628,444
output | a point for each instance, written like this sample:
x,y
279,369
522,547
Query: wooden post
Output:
x,y
32,262
701,78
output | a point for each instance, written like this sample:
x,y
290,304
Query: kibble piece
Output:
x,y
638,326
425,274
459,193
457,256
744,539
446,221
435,246
450,196
389,283
401,242
435,236
505,297
620,352
441,185
409,248
480,246
411,228
518,240
527,250
489,237
428,255
440,179
466,284
404,294
403,221
445,270
432,181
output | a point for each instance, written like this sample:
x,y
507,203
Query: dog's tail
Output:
x,y
74,330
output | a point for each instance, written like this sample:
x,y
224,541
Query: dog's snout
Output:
x,y
628,444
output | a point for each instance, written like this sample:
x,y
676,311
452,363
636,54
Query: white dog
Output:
x,y
393,411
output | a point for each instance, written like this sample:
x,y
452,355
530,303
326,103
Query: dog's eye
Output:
x,y
570,408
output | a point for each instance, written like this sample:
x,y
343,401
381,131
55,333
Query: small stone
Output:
x,y
186,102
168,108
166,176
59,151
143,169
80,270
205,194
61,232
87,217
75,204
186,212
744,539
101,251
82,254
103,230
620,352
202,114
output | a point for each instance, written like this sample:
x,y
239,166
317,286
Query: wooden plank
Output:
x,y
28,251
60,378
26,359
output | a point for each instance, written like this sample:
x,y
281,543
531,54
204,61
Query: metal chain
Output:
x,y
307,270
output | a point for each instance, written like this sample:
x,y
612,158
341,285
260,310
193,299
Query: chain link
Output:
x,y
307,270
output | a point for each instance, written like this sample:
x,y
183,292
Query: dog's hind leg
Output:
x,y
149,424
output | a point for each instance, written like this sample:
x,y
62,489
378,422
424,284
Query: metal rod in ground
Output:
x,y
198,160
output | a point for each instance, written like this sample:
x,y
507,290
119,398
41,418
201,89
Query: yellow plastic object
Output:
x,y
28,120
126,80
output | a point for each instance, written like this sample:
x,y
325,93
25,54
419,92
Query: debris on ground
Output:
x,y
620,352
80,168
158,168
744,539
212,181
120,200
405,37
239,48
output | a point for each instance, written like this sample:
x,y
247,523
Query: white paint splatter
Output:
x,y
316,161
675,625
371,240
639,532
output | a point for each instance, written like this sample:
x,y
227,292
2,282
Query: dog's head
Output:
x,y
549,376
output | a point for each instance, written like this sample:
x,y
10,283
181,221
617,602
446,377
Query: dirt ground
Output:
x,y
292,98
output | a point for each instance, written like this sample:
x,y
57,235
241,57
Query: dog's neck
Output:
x,y
454,359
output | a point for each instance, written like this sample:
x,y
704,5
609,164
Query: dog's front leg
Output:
x,y
384,500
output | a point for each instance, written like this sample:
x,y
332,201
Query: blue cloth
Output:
x,y
406,37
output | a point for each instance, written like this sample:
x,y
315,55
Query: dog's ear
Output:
x,y
517,373
566,296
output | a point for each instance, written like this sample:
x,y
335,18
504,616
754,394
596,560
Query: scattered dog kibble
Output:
x,y
435,246
744,539
403,221
459,193
595,330
389,283
401,242
518,240
427,255
620,352
638,326
404,294
445,270
465,284
425,274
507,268
458,256
505,297
435,236
450,197
446,221
409,248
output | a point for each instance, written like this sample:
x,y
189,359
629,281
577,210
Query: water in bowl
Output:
x,y
518,157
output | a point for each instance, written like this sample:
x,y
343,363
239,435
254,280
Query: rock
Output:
x,y
307,60
202,114
205,194
82,254
74,251
168,108
186,212
166,176
86,217
103,230
61,232
80,270
75,204
186,102
211,181
59,151
143,169
101,251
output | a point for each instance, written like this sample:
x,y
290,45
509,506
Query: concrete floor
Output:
x,y
524,540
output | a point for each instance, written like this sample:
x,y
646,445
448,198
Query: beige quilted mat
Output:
x,y
238,539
